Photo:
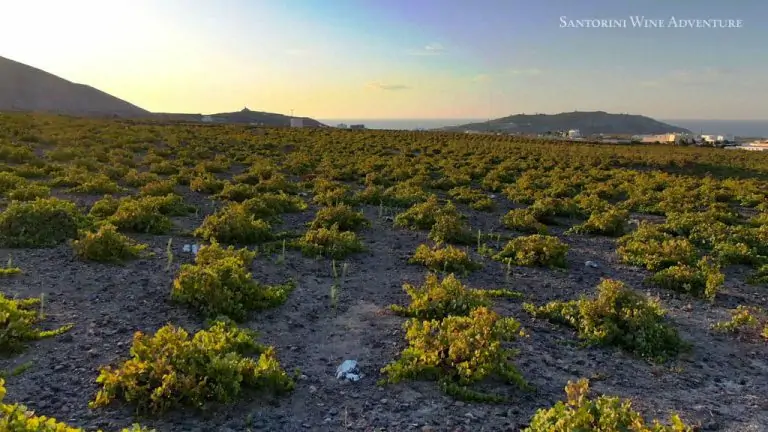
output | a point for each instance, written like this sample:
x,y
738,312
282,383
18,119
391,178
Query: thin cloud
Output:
x,y
481,78
682,77
527,72
297,52
388,87
432,49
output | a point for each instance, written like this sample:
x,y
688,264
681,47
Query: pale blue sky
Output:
x,y
400,58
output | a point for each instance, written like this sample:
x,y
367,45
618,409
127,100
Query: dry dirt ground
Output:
x,y
722,385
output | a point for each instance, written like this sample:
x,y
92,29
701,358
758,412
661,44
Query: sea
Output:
x,y
742,128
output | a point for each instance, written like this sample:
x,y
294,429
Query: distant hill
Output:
x,y
25,88
587,123
245,116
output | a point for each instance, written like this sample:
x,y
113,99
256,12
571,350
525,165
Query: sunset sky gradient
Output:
x,y
399,58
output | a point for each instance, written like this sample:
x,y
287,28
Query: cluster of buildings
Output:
x,y
353,127
683,138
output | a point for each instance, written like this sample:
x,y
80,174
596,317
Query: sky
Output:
x,y
401,58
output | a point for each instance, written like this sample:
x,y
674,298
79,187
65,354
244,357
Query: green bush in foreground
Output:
x,y
423,216
535,250
458,351
438,299
703,280
449,227
610,222
107,245
219,283
524,221
105,207
17,324
140,215
606,413
44,222
234,224
618,317
169,369
29,192
444,258
206,183
650,247
269,205
330,242
342,215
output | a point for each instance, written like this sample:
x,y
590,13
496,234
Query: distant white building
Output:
x,y
574,133
341,126
297,122
357,126
207,119
667,138
717,138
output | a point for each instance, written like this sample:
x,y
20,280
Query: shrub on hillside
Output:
x,y
475,198
449,227
702,280
458,351
437,299
650,247
606,413
732,251
534,250
610,222
163,167
747,321
237,192
234,224
206,183
444,258
158,188
107,245
342,215
269,205
18,319
524,221
420,216
219,283
137,179
99,184
169,205
619,317
44,222
29,192
546,210
140,215
402,194
329,193
330,242
105,207
169,369
10,181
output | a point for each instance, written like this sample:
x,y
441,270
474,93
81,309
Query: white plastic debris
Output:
x,y
591,264
191,248
348,370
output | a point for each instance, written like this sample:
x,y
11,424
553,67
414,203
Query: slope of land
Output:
x,y
268,192
244,116
587,122
25,88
